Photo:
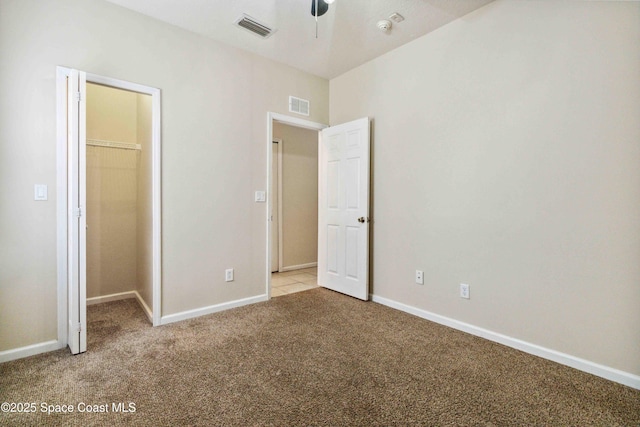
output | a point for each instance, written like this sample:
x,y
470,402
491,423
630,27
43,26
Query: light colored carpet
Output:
x,y
310,358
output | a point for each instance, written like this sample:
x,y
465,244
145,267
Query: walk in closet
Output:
x,y
119,219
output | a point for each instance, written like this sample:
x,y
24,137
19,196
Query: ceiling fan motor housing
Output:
x,y
323,7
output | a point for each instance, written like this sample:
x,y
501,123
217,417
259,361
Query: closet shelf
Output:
x,y
113,144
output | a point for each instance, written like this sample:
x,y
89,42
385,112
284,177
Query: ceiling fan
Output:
x,y
319,8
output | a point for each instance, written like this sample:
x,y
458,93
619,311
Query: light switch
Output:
x,y
261,196
40,192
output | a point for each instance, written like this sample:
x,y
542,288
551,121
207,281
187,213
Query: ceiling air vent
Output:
x,y
298,105
258,28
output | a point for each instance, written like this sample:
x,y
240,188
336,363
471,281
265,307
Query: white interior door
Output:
x,y
275,201
343,209
77,271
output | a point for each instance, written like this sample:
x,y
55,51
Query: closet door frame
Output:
x,y
66,237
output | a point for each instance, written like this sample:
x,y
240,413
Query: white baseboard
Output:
x,y
121,296
44,347
111,297
147,311
190,314
298,267
603,371
30,350
18,353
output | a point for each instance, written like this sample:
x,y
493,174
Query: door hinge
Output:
x,y
77,212
77,96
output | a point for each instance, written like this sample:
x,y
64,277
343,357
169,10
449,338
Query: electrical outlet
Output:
x,y
464,291
228,275
420,277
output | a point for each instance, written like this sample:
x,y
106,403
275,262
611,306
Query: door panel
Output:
x,y
352,182
333,179
332,248
343,236
351,253
76,151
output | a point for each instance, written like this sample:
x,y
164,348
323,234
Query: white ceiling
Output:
x,y
347,33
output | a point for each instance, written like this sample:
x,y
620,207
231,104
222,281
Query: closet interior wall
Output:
x,y
118,192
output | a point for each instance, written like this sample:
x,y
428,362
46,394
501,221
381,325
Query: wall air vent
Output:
x,y
251,24
297,105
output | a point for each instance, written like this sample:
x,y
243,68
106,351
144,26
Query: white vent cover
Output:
x,y
298,105
251,24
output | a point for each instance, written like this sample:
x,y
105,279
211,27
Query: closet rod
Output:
x,y
113,144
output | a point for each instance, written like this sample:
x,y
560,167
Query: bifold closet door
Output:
x,y
76,211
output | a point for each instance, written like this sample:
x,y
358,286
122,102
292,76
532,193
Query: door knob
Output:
x,y
361,220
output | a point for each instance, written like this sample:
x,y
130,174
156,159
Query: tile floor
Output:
x,y
289,282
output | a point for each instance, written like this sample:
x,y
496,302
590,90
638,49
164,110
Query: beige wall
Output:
x,y
299,194
112,181
111,114
144,218
214,105
505,156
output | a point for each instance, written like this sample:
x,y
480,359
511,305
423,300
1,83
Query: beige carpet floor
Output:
x,y
305,359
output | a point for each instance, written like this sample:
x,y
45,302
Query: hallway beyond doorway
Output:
x,y
289,282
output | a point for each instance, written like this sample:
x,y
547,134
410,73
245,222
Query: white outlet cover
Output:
x,y
464,291
261,196
420,277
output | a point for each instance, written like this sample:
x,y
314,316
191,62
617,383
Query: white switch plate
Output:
x,y
420,277
40,192
261,196
228,275
464,291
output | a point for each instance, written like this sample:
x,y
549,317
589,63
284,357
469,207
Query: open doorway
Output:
x,y
118,197
109,172
294,204
343,203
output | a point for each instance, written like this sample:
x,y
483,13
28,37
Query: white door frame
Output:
x,y
290,121
278,212
62,73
